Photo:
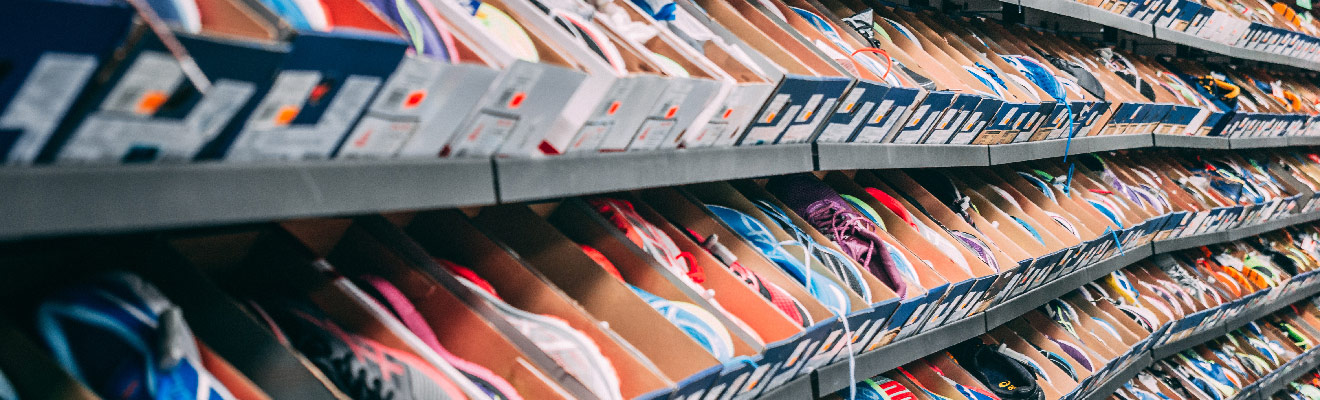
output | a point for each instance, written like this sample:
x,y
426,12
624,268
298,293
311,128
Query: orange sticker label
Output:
x,y
285,115
151,101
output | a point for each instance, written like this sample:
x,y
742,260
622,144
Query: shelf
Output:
x,y
49,201
1187,242
1012,308
1095,144
1189,40
1303,140
1224,327
1278,380
1191,142
524,179
1089,13
794,389
1257,142
834,377
1117,379
838,156
1249,231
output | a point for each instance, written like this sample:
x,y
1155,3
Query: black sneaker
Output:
x,y
1007,378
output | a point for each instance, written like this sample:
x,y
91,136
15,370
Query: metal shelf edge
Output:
x,y
61,200
524,179
840,156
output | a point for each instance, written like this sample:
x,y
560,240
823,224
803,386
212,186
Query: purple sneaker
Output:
x,y
830,214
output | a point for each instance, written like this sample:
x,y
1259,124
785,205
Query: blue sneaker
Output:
x,y
822,288
696,322
834,261
123,339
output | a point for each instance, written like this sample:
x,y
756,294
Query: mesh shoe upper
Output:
x,y
830,214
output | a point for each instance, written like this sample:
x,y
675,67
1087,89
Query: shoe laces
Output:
x,y
841,225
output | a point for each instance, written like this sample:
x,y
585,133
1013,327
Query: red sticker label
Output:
x,y
517,100
414,99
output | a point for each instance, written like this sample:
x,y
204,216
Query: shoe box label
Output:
x,y
42,101
393,116
660,125
851,113
776,116
802,126
952,120
273,131
125,129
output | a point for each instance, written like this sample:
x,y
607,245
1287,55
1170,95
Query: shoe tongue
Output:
x,y
800,192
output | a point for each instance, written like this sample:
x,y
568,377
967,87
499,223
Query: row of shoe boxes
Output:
x,y
357,91
1074,346
1306,385
677,287
1241,363
1271,27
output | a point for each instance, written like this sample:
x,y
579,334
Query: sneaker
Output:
x,y
650,239
391,298
654,241
124,339
834,261
569,347
7,389
917,383
1076,352
967,240
831,295
359,367
1057,360
940,242
969,393
696,322
421,24
830,214
1212,371
891,389
867,389
791,307
1005,372
946,192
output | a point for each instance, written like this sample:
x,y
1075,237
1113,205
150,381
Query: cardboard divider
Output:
x,y
31,370
683,212
739,196
581,224
458,327
233,380
1052,234
729,290
297,271
1052,390
1007,252
910,240
560,260
449,235
197,272
1030,333
1086,225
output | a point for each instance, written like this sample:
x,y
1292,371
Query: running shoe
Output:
x,y
124,339
830,214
